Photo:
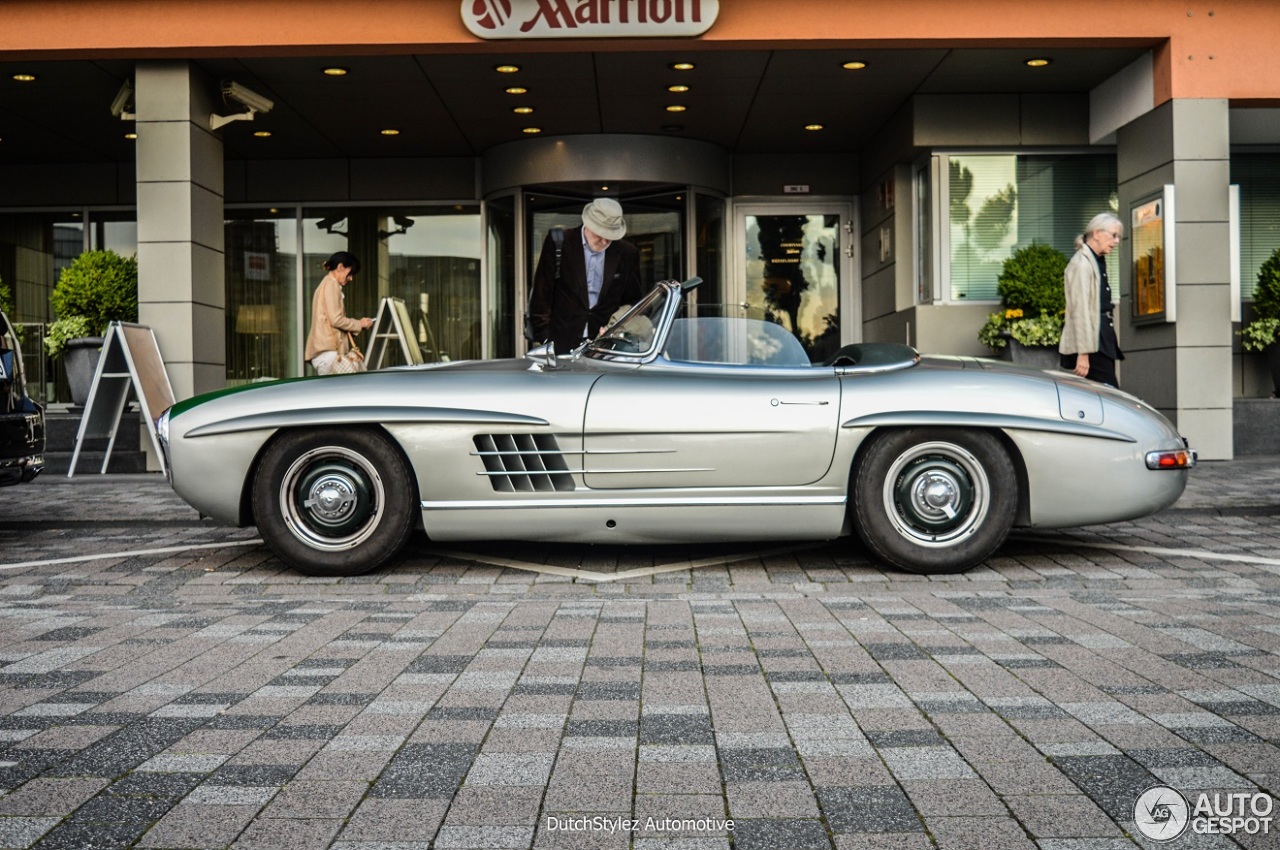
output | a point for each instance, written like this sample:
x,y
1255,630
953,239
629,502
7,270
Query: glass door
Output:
x,y
795,269
654,226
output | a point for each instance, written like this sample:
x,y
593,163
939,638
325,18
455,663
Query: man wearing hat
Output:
x,y
597,275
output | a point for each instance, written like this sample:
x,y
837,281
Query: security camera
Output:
x,y
122,106
249,98
253,101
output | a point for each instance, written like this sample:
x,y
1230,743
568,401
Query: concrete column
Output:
x,y
1183,368
181,271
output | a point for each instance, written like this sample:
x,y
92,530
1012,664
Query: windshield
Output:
x,y
634,334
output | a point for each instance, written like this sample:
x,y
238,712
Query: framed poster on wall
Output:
x,y
1151,235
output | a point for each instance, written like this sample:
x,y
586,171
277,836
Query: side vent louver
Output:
x,y
523,462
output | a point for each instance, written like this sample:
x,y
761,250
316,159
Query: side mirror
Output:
x,y
543,355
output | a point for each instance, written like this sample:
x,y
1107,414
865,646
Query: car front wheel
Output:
x,y
334,503
934,500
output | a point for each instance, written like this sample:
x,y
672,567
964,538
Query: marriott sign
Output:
x,y
588,18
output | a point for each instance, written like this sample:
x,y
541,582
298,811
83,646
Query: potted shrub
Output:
x,y
1263,333
1028,326
99,287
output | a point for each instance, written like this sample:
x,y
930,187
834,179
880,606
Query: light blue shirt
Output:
x,y
594,261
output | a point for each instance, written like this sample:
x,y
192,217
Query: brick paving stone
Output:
x,y
214,698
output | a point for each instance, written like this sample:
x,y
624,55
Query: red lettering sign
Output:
x,y
492,19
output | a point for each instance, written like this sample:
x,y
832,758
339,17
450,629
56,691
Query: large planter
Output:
x,y
1273,360
1039,356
80,358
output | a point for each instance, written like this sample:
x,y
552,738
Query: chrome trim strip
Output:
x,y
854,371
364,415
982,420
553,452
656,502
593,471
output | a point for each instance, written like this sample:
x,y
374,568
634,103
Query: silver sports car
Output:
x,y
669,429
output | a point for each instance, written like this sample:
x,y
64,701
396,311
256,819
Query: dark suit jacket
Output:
x,y
559,308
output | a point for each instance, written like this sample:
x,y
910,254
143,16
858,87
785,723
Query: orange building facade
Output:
x,y
850,170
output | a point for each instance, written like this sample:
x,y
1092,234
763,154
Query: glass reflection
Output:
x,y
261,296
793,277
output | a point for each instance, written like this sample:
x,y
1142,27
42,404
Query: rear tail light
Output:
x,y
1177,459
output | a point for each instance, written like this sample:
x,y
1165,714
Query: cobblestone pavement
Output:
x,y
165,683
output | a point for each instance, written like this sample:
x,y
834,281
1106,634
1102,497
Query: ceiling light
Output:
x,y
676,107
678,89
1038,62
523,110
814,127
532,131
389,131
517,90
604,188
131,136
262,134
274,210
506,69
854,66
25,78
682,66
335,72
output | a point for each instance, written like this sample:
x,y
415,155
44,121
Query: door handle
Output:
x,y
775,402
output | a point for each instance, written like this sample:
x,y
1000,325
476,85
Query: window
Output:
x,y
261,294
1258,176
999,203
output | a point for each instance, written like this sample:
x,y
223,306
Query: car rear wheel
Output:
x,y
934,500
334,503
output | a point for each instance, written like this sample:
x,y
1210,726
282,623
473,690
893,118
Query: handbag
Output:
x,y
352,361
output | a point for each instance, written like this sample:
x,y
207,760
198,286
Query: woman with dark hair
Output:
x,y
330,325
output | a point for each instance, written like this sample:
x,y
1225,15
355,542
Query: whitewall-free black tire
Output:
x,y
334,503
934,500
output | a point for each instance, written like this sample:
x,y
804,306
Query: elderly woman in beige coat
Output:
x,y
1089,346
328,339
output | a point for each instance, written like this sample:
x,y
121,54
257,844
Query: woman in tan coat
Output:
x,y
329,322
1089,346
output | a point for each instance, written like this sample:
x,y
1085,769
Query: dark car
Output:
x,y
21,419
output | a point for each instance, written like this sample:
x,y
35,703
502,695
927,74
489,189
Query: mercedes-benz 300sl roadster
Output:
x,y
674,429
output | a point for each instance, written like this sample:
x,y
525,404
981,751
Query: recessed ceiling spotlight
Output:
x,y
506,69
604,188
678,89
262,134
389,131
1038,62
25,78
853,66
131,136
532,131
523,110
517,90
677,107
682,66
335,72
814,127
274,210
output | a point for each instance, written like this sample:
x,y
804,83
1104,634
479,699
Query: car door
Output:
x,y
669,425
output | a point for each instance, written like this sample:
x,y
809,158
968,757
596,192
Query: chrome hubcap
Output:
x,y
332,498
936,494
